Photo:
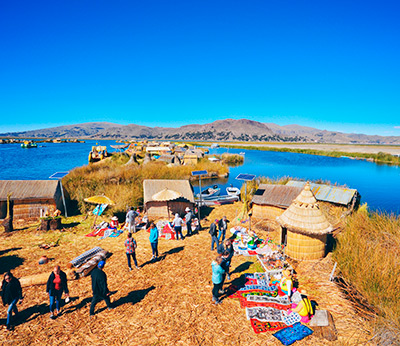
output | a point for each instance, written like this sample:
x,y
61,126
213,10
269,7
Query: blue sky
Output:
x,y
331,65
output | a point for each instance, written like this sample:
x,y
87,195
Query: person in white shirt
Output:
x,y
177,224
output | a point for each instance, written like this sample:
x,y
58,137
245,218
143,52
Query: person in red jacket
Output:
x,y
56,285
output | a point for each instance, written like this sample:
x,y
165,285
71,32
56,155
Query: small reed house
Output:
x,y
271,200
30,198
165,197
304,227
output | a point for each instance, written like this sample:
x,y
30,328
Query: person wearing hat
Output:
x,y
303,308
114,222
286,283
214,233
99,287
188,220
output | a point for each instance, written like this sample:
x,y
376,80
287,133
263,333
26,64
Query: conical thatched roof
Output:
x,y
304,215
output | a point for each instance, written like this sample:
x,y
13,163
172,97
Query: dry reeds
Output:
x,y
167,302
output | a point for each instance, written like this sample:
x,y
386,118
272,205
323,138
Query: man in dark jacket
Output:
x,y
99,287
222,226
56,285
11,292
214,233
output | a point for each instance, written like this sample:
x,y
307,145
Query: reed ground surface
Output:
x,y
167,302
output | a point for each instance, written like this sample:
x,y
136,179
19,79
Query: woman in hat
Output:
x,y
188,220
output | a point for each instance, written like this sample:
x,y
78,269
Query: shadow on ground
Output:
x,y
163,256
133,297
3,252
10,262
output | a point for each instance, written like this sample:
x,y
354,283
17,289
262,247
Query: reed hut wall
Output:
x,y
30,196
305,247
166,209
266,211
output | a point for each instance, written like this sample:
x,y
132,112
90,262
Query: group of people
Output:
x,y
218,231
57,284
178,222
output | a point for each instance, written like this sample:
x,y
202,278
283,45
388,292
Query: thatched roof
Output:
x,y
28,189
304,215
151,187
275,195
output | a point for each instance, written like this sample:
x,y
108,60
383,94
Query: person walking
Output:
x,y
231,251
131,245
188,220
99,287
130,220
222,226
177,224
214,232
11,293
217,279
154,240
56,285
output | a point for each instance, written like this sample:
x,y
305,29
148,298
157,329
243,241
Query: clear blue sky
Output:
x,y
331,65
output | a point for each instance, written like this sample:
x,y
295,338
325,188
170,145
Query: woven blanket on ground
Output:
x,y
291,319
290,335
262,327
78,261
107,233
116,234
87,267
257,282
255,290
264,314
257,276
272,302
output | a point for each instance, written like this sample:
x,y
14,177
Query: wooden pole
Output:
x,y
98,212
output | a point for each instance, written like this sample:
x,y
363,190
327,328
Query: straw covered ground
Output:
x,y
167,302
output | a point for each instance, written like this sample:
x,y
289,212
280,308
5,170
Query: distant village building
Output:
x,y
165,197
30,198
271,200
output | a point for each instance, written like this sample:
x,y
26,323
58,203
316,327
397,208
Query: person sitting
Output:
x,y
286,283
114,222
303,308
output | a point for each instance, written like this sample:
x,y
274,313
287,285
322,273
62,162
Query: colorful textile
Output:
x,y
262,327
264,314
291,319
76,262
272,302
264,291
290,335
115,234
99,209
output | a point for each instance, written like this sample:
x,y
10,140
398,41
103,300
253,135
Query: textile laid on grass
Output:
x,y
297,332
78,261
262,327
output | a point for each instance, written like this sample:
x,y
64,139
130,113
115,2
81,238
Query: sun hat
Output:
x,y
114,218
101,264
187,209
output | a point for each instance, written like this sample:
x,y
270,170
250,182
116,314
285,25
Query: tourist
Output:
x,y
131,245
130,221
154,240
11,293
56,285
225,266
286,283
99,287
214,232
217,279
188,220
303,307
222,226
177,224
231,251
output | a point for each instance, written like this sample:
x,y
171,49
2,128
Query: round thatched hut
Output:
x,y
304,227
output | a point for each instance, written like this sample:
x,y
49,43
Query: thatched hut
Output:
x,y
29,197
271,200
160,200
304,227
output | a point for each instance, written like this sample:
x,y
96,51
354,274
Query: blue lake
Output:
x,y
379,185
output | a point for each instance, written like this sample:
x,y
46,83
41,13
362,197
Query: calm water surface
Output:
x,y
379,185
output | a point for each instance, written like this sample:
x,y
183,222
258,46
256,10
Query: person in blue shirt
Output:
x,y
154,240
217,279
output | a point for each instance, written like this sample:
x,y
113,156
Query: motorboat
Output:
x,y
28,145
218,200
233,191
209,192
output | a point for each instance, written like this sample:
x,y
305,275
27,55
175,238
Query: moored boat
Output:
x,y
233,191
28,144
217,200
209,192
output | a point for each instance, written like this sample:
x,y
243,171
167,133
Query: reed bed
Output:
x,y
167,302
368,253
124,183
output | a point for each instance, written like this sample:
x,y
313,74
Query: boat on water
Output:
x,y
98,153
217,200
209,192
233,191
28,145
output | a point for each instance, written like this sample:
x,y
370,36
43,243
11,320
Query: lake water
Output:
x,y
379,185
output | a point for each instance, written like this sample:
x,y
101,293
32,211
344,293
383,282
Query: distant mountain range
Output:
x,y
221,130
